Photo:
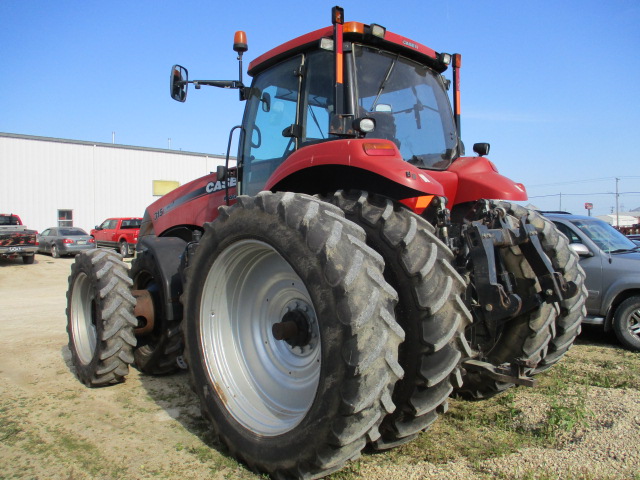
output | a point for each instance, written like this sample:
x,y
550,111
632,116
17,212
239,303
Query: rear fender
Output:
x,y
194,203
167,254
478,178
373,165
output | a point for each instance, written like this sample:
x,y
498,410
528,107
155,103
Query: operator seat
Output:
x,y
385,127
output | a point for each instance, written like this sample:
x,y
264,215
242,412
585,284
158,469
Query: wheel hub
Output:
x,y
294,328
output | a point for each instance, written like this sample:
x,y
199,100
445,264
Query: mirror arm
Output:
x,y
217,83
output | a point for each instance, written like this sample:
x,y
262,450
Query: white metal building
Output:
x,y
51,181
624,219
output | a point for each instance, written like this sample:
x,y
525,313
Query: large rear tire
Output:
x,y
301,406
429,309
527,339
568,323
522,342
100,319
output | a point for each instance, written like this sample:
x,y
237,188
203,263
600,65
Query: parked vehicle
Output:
x,y
634,238
118,233
16,240
334,289
611,262
60,241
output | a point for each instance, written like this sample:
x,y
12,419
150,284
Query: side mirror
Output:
x,y
178,83
580,249
383,107
221,172
481,149
265,101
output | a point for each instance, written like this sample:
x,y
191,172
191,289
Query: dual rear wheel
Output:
x,y
312,327
538,337
290,334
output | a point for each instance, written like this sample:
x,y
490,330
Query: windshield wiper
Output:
x,y
624,250
384,83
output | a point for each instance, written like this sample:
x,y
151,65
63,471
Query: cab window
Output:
x,y
270,112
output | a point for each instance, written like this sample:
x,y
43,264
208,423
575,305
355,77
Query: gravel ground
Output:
x,y
51,426
606,449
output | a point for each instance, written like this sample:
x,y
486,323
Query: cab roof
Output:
x,y
356,32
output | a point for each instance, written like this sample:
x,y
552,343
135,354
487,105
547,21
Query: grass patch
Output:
x,y
9,429
475,431
565,414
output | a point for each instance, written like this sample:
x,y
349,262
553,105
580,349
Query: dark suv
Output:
x,y
612,264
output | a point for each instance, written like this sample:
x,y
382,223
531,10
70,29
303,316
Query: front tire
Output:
x,y
626,323
303,405
100,319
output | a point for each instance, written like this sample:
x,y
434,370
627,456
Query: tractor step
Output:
x,y
509,373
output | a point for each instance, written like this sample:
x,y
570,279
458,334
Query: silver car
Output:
x,y
612,264
59,241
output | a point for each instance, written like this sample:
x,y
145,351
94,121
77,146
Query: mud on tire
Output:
x,y
429,309
100,319
301,406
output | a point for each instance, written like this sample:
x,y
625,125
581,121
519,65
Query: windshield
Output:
x,y
604,235
409,104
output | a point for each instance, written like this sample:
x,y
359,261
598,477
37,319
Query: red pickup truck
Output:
x,y
118,233
16,240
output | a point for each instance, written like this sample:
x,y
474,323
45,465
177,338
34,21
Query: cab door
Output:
x,y
270,120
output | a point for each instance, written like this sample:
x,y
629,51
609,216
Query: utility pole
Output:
x,y
617,212
560,202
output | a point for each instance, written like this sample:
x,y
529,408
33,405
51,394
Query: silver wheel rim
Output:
x,y
82,321
634,322
267,385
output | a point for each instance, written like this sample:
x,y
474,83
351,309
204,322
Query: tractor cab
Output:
x,y
345,83
292,106
371,85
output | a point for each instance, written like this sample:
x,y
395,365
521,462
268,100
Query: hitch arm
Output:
x,y
555,287
496,303
508,373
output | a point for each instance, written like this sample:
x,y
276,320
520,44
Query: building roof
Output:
x,y
108,145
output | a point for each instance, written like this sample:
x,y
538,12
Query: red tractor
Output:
x,y
333,289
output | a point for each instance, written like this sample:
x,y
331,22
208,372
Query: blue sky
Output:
x,y
553,86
